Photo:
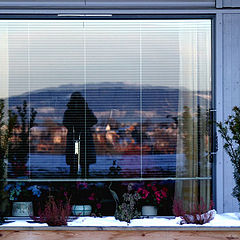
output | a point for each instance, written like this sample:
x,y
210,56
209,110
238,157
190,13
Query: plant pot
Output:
x,y
149,211
81,210
22,209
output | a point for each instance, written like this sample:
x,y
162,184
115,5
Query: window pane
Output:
x,y
113,98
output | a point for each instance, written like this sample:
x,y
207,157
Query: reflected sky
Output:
x,y
37,54
130,73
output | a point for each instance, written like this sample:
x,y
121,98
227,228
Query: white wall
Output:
x,y
231,3
228,95
227,55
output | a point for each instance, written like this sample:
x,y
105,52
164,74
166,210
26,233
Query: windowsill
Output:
x,y
221,222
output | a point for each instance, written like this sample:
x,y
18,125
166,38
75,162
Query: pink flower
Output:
x,y
139,190
79,184
149,185
165,189
154,188
145,193
98,205
92,198
157,194
163,193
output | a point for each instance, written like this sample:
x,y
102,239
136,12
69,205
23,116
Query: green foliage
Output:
x,y
230,132
128,209
6,130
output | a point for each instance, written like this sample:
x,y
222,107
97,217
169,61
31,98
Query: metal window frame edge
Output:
x,y
214,67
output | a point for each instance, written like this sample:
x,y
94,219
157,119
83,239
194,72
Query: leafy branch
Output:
x,y
7,125
6,133
20,150
230,132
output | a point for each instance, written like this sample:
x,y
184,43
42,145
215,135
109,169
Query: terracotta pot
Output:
x,y
149,211
22,209
81,210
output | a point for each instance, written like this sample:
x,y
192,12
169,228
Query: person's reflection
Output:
x,y
79,119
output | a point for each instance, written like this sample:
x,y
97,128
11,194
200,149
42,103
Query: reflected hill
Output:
x,y
117,100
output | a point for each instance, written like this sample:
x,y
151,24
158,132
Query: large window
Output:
x,y
110,100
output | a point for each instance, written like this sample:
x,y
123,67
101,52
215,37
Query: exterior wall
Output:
x,y
231,3
227,97
104,4
227,55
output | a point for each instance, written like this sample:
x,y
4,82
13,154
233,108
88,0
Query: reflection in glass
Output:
x,y
80,150
99,194
148,82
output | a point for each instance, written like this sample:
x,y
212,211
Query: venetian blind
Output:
x,y
113,98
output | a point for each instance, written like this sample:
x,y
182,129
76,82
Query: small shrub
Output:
x,y
55,213
128,209
199,214
19,148
230,132
7,124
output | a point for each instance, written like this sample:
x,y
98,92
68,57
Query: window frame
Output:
x,y
73,16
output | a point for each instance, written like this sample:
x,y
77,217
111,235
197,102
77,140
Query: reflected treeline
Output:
x,y
19,146
121,130
127,139
115,138
194,131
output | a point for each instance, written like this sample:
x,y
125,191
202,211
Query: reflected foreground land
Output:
x,y
131,139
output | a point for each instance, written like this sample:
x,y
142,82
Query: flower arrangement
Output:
x,y
152,194
80,193
20,191
84,193
96,204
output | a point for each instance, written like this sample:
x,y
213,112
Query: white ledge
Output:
x,y
225,221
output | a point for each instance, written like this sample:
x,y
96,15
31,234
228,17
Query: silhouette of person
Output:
x,y
78,119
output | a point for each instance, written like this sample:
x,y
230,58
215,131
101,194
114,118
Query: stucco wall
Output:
x,y
227,61
228,95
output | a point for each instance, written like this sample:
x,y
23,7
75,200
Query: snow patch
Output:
x,y
220,220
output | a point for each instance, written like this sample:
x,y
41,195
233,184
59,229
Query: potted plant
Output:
x,y
128,209
80,199
200,213
95,199
21,195
230,132
55,212
151,197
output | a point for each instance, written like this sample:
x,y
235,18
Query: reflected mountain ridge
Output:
x,y
127,130
104,97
